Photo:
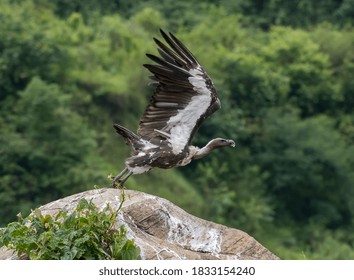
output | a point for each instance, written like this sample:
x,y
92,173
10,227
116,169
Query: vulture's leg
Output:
x,y
116,179
121,182
120,174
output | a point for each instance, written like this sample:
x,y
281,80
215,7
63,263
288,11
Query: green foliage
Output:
x,y
308,160
86,233
329,245
28,47
284,73
46,149
306,67
150,19
300,13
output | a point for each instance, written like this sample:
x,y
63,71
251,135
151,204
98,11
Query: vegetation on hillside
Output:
x,y
284,71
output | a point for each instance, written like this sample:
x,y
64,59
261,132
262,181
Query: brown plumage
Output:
x,y
184,97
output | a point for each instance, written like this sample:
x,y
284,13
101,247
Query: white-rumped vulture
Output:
x,y
184,97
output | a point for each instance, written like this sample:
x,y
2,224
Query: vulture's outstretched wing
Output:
x,y
183,98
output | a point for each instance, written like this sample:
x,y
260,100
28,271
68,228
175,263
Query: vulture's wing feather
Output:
x,y
184,95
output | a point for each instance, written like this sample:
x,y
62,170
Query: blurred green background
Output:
x,y
284,71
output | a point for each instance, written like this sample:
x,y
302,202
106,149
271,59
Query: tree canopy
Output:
x,y
284,71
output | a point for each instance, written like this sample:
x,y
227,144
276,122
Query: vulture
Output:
x,y
183,98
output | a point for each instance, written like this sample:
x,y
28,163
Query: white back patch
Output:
x,y
182,124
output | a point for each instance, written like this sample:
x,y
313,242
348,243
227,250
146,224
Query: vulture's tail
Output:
x,y
130,137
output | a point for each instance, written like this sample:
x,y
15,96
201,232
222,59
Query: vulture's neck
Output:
x,y
202,152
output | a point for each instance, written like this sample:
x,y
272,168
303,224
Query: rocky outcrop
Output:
x,y
164,231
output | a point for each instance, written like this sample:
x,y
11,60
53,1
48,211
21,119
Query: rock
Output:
x,y
164,231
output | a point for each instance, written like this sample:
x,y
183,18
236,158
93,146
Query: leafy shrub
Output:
x,y
86,233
